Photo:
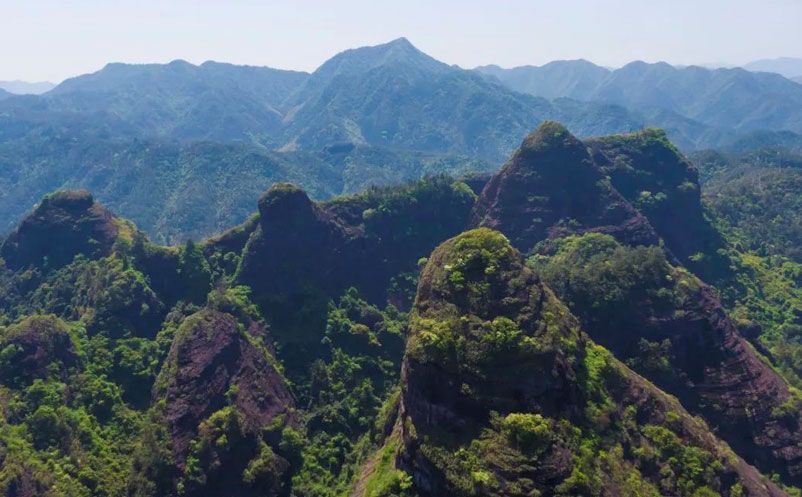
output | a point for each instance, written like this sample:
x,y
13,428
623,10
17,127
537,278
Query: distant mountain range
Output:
x,y
26,88
135,134
390,95
696,106
787,66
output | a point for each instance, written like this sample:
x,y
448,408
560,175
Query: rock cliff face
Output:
x,y
495,368
671,328
302,254
664,186
63,225
220,380
551,187
297,245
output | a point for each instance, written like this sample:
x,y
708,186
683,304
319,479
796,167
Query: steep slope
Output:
x,y
62,226
394,94
222,396
504,395
387,95
664,186
302,253
550,187
672,329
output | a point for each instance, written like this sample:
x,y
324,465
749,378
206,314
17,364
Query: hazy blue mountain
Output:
x,y
179,100
698,106
4,94
390,95
766,139
797,79
18,87
394,95
561,78
787,66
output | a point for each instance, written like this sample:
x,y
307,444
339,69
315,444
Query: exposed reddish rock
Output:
x,y
664,186
453,382
63,225
209,355
551,187
717,374
302,253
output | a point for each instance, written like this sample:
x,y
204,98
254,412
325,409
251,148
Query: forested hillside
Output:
x,y
546,330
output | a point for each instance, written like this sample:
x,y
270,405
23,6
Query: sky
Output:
x,y
55,39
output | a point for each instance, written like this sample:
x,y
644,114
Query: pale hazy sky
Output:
x,y
55,39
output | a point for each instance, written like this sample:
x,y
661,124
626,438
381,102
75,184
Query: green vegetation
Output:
x,y
617,441
760,210
332,353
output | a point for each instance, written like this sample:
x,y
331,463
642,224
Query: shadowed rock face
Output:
x,y
297,245
210,355
221,393
63,225
718,374
463,375
551,187
664,186
672,329
301,254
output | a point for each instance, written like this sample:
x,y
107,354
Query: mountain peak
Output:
x,y
398,52
283,198
552,187
63,225
401,42
548,135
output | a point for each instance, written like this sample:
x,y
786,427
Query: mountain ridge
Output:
x,y
362,344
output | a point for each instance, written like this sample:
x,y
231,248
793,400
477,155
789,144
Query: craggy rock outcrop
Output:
x,y
209,355
664,186
302,253
717,374
34,348
672,329
551,187
361,241
297,245
504,395
220,379
63,225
